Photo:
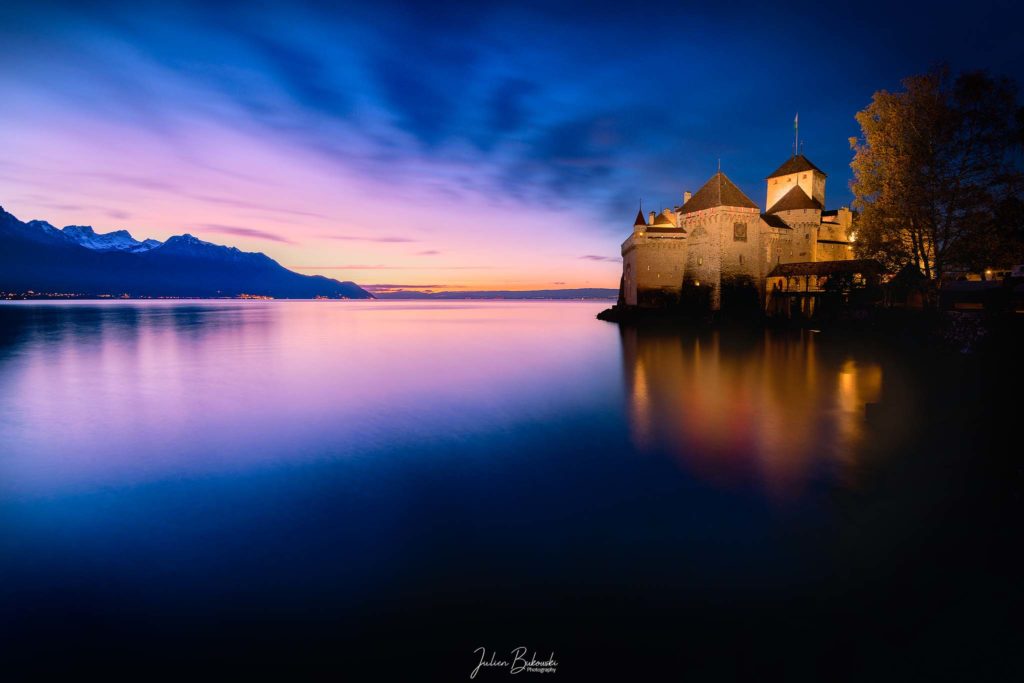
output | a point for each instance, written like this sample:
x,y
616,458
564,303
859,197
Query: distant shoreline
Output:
x,y
269,298
576,294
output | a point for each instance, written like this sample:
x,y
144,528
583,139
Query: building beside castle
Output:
x,y
720,250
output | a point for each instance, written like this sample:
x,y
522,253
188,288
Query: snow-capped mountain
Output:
x,y
36,256
118,240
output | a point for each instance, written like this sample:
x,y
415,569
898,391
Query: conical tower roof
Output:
x,y
639,218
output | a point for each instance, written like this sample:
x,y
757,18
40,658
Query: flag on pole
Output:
x,y
796,121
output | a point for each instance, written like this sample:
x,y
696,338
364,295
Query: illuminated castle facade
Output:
x,y
720,247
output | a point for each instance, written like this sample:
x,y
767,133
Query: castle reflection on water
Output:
x,y
773,409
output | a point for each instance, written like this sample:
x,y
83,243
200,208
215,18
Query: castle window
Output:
x,y
741,259
700,261
739,232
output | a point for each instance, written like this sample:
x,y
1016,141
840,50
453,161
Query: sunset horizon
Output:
x,y
490,149
511,340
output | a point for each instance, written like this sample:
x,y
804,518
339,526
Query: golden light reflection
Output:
x,y
639,407
771,408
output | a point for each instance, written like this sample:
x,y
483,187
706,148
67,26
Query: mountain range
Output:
x,y
36,256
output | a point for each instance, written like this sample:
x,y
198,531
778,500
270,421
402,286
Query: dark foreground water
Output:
x,y
372,491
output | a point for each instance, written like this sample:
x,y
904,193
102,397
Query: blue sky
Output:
x,y
449,144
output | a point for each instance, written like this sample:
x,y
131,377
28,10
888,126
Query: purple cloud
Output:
x,y
255,206
391,288
245,232
360,266
370,238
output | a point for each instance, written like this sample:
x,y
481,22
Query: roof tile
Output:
x,y
795,199
863,266
718,191
795,164
775,221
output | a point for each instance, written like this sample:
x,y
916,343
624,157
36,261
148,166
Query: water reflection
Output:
x,y
100,394
323,479
772,410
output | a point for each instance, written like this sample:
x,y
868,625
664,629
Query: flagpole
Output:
x,y
796,133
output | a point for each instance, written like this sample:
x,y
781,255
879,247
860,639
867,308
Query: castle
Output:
x,y
717,248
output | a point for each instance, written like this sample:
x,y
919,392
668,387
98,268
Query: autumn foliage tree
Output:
x,y
937,174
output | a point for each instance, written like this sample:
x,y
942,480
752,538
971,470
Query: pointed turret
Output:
x,y
639,219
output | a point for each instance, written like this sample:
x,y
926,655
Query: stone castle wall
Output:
x,y
653,269
802,235
724,249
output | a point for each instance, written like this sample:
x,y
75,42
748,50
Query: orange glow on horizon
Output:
x,y
317,219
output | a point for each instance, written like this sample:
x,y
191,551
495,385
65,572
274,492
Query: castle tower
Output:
x,y
723,245
796,172
653,257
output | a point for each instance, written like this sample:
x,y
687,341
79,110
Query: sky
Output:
x,y
442,145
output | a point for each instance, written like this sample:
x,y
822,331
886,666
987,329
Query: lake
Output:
x,y
336,488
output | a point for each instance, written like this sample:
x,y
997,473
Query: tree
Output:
x,y
935,168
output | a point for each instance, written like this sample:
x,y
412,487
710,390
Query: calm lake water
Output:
x,y
387,486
